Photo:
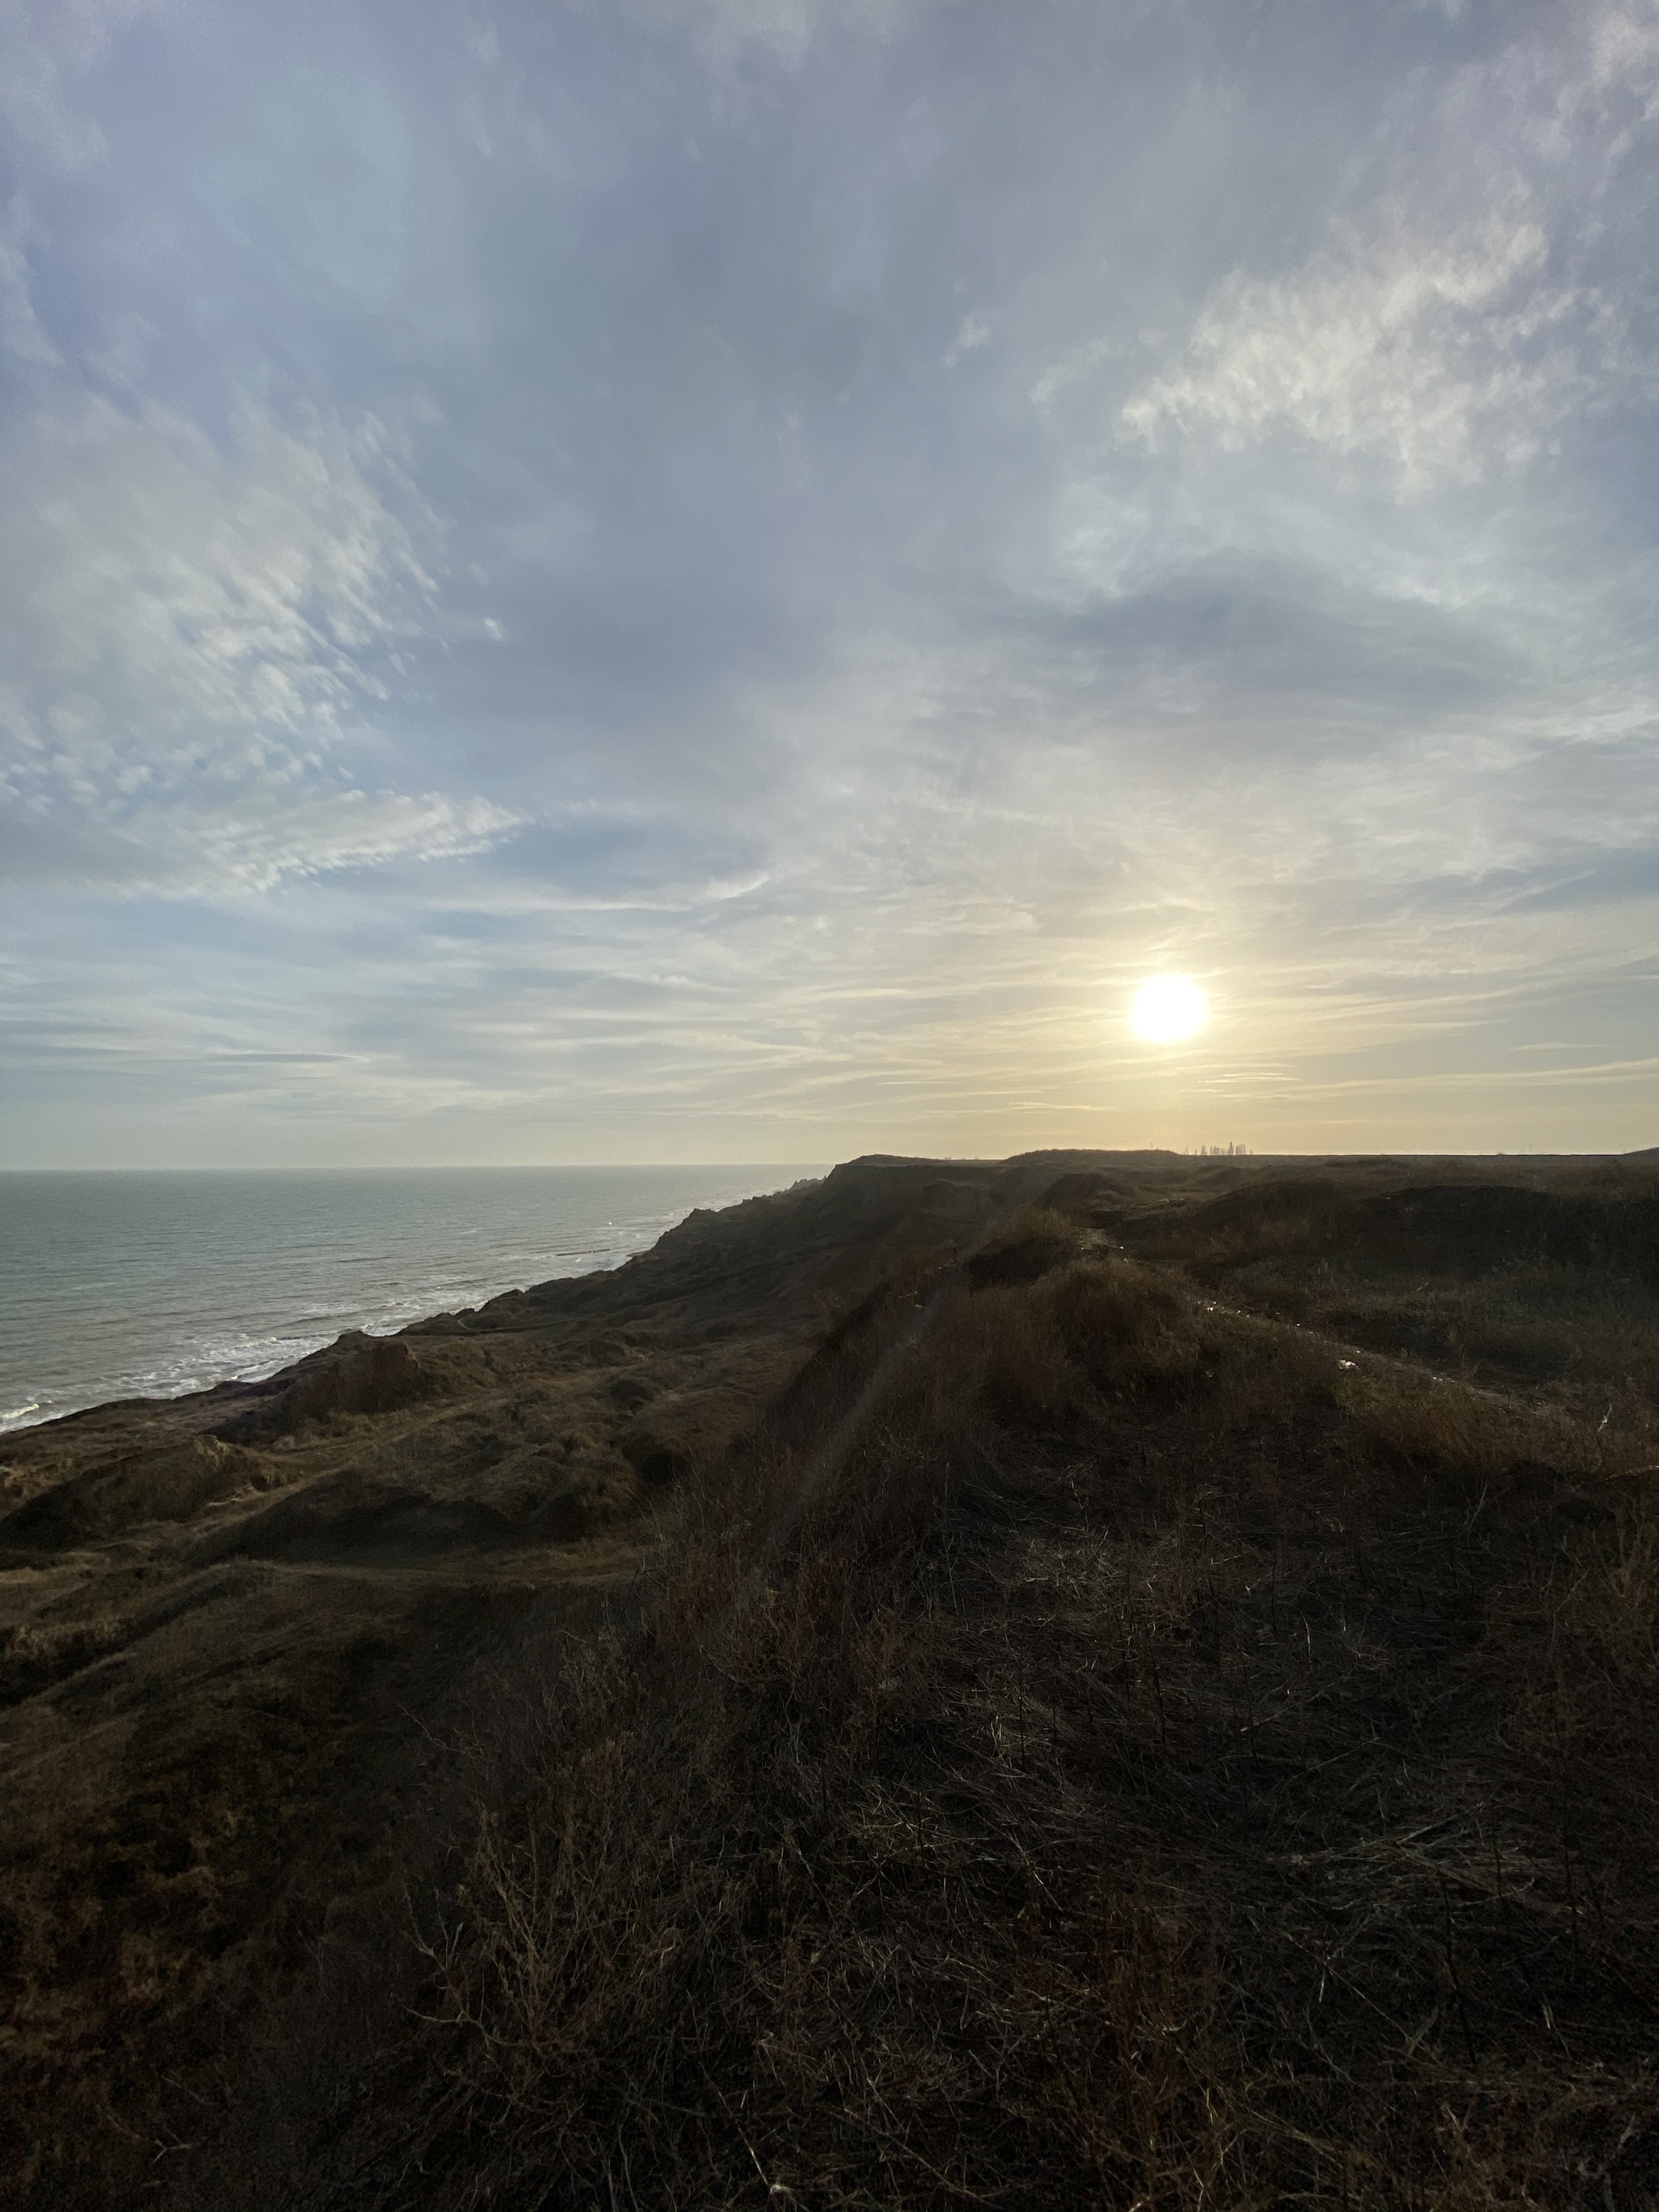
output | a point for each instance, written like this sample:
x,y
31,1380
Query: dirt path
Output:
x,y
592,1563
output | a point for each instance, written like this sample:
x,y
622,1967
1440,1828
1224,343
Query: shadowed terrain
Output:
x,y
1101,1678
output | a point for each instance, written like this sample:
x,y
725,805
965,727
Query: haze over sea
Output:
x,y
148,1283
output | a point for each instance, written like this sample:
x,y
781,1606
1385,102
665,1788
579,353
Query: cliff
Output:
x,y
1101,1676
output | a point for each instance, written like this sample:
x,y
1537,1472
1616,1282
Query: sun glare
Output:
x,y
1168,1008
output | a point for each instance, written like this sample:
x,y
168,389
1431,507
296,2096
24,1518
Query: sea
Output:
x,y
129,1285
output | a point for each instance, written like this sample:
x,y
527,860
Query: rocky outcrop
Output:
x,y
355,1374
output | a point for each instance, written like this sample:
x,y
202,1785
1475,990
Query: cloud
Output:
x,y
49,44
1621,56
1444,358
327,832
177,604
20,334
248,844
1451,330
973,332
199,630
195,625
724,33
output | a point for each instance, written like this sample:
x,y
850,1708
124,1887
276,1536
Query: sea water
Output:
x,y
146,1285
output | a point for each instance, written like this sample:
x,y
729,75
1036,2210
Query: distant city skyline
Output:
x,y
727,580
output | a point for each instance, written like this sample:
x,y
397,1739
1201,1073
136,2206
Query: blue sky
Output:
x,y
700,579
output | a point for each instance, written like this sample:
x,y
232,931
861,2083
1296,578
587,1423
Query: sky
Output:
x,y
724,580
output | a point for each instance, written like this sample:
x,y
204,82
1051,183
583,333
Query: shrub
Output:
x,y
1128,1327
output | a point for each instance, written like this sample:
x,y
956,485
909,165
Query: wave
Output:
x,y
153,1286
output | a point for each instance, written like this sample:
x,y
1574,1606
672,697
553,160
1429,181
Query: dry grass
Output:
x,y
1443,1426
1545,1282
1155,1771
1085,1745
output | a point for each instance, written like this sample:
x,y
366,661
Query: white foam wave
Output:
x,y
203,1364
155,1286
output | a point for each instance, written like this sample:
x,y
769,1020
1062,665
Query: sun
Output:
x,y
1168,1008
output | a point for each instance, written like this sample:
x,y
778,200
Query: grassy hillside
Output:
x,y
1100,1680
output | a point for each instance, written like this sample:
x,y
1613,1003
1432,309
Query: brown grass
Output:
x,y
1544,1281
1087,1744
1158,1770
1443,1426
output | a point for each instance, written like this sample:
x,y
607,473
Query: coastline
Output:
x,y
156,1287
930,1515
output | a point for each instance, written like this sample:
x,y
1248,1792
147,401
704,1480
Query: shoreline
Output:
x,y
236,1276
1150,1499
